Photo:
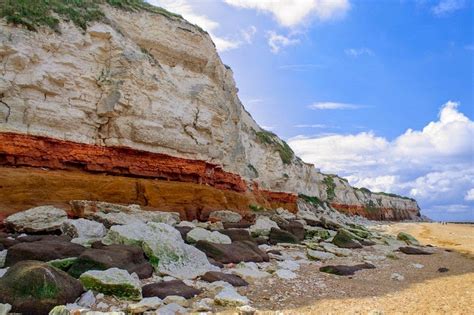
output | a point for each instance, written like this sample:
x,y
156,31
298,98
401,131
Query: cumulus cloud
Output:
x,y
434,164
291,13
445,7
248,34
187,10
469,195
278,41
356,52
333,105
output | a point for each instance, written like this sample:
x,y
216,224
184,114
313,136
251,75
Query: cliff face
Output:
x,y
144,96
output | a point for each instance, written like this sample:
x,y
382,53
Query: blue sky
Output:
x,y
380,92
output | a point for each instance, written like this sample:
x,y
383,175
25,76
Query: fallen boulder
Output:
x,y
83,231
413,251
200,234
127,257
319,255
407,238
33,287
233,253
113,281
280,236
295,228
42,251
234,280
237,234
170,288
346,239
262,227
36,220
343,270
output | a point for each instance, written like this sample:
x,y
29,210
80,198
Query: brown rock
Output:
x,y
167,288
413,251
213,276
233,253
343,270
237,234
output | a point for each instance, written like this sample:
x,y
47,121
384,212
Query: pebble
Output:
x,y
397,277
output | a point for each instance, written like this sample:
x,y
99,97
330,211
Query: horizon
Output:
x,y
378,93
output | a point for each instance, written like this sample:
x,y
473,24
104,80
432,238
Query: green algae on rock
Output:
x,y
407,238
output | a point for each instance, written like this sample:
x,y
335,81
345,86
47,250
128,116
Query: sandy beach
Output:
x,y
423,291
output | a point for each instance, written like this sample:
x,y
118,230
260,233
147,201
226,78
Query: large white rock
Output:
x,y
113,281
249,271
289,264
39,219
285,214
319,255
200,234
331,248
149,303
165,248
172,309
3,256
83,231
262,226
286,274
5,309
230,297
225,216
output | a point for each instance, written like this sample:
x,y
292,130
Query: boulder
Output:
x,y
146,304
343,270
249,271
280,236
360,233
113,281
240,225
319,255
262,227
169,288
164,247
3,256
407,238
286,274
329,224
8,242
295,228
330,248
33,287
225,216
42,251
413,251
172,309
184,230
237,234
233,253
200,234
83,231
230,297
318,232
285,214
127,257
234,280
36,220
346,239
40,237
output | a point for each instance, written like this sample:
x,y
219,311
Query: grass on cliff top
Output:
x,y
283,149
38,13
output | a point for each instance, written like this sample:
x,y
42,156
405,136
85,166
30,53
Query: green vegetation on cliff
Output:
x,y
330,187
269,138
37,13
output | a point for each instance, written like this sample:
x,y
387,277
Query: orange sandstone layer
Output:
x,y
378,213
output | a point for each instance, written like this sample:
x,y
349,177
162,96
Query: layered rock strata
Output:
x,y
139,108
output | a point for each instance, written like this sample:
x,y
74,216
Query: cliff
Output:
x,y
137,107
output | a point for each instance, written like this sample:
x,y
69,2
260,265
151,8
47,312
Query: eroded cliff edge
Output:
x,y
139,108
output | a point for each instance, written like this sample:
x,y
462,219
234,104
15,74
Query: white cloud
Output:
x,y
291,13
434,164
356,52
248,34
333,105
469,195
444,7
184,8
277,41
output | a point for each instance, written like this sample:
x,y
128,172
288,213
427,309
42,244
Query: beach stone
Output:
x,y
146,304
42,251
213,276
113,281
246,310
289,264
167,288
249,271
200,234
360,233
170,299
345,239
33,287
285,214
225,216
237,234
295,228
413,251
3,271
318,232
330,248
343,270
443,269
329,224
172,309
204,305
319,255
127,257
233,253
5,309
281,236
35,220
286,274
230,297
184,230
87,299
83,231
262,227
240,225
407,238
397,277
3,256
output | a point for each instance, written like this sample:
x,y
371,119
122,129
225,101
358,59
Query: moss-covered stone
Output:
x,y
360,233
346,239
407,238
63,264
113,281
317,232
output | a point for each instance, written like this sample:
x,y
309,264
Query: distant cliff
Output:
x,y
136,106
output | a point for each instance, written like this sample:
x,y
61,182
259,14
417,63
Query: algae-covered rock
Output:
x,y
34,287
113,281
360,233
63,264
346,239
407,238
311,232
